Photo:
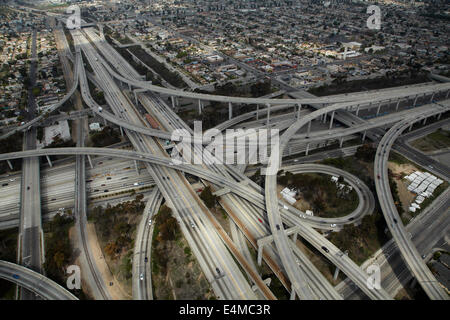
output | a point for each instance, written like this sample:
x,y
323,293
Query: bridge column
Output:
x,y
268,114
307,149
424,121
121,131
90,161
129,87
331,120
364,135
439,116
173,102
294,237
48,160
136,167
135,97
432,96
324,118
415,100
396,107
199,106
357,109
257,111
309,128
446,96
379,107
298,111
341,141
260,251
230,110
336,273
292,293
9,164
104,121
410,127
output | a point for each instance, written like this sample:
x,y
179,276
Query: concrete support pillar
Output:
x,y
260,252
378,110
292,293
364,136
307,149
129,87
135,97
136,167
90,161
410,127
298,111
413,282
173,101
331,120
230,110
104,121
294,237
424,121
9,164
357,109
439,116
432,96
324,118
121,131
341,141
336,273
446,96
199,106
48,160
257,111
268,114
398,103
415,100
309,129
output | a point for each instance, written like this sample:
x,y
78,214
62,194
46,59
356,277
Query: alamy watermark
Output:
x,y
239,146
374,279
74,278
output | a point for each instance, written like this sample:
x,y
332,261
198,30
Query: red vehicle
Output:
x,y
260,220
199,190
153,123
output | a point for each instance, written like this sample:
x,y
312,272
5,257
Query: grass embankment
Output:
x,y
318,193
437,140
176,273
8,252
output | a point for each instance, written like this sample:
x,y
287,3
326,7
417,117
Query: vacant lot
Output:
x,y
437,140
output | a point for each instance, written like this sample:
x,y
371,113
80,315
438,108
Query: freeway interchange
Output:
x,y
245,202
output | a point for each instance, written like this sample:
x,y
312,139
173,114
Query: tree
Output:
x,y
208,197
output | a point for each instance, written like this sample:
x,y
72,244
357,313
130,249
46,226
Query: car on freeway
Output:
x,y
108,178
150,222
424,256
278,227
351,219
260,220
141,276
103,185
395,220
145,259
106,190
333,225
4,185
325,249
192,225
16,276
218,271
96,190
28,187
378,176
